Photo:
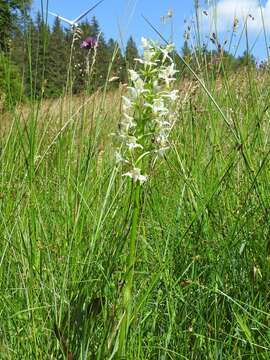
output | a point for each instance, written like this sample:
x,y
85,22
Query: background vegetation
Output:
x,y
202,271
42,55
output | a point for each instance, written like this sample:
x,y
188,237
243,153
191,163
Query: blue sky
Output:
x,y
121,18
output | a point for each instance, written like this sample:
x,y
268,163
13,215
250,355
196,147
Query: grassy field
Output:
x,y
201,284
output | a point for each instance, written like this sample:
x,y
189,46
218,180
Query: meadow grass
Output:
x,y
201,282
202,269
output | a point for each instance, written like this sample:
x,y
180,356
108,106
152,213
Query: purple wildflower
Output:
x,y
89,43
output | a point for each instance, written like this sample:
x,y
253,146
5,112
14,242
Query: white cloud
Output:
x,y
223,14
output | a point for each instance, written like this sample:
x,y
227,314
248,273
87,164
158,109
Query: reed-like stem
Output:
x,y
128,288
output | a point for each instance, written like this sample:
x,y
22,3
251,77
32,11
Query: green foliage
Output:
x,y
119,63
57,61
50,61
5,21
214,63
102,59
11,89
131,53
51,54
37,57
247,59
9,10
202,273
201,285
89,66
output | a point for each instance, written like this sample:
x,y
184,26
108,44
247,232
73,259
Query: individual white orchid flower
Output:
x,y
145,43
128,120
127,103
138,88
167,51
133,75
159,106
167,74
132,143
172,95
162,150
135,175
119,158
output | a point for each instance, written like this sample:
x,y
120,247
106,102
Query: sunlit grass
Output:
x,y
201,277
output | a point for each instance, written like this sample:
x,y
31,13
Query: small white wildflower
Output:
x,y
172,95
133,75
145,43
171,70
149,56
139,85
162,139
156,85
163,123
138,88
146,61
167,74
170,47
161,151
166,51
133,92
126,102
119,158
122,137
127,122
136,175
159,106
132,143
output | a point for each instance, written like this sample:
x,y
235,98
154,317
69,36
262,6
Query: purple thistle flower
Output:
x,y
89,43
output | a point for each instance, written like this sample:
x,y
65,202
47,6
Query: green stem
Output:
x,y
127,295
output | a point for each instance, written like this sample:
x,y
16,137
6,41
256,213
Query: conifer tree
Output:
x,y
131,53
81,59
90,66
186,51
247,59
102,56
9,12
18,48
10,83
38,56
57,61
118,65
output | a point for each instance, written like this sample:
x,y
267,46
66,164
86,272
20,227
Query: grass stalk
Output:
x,y
128,287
